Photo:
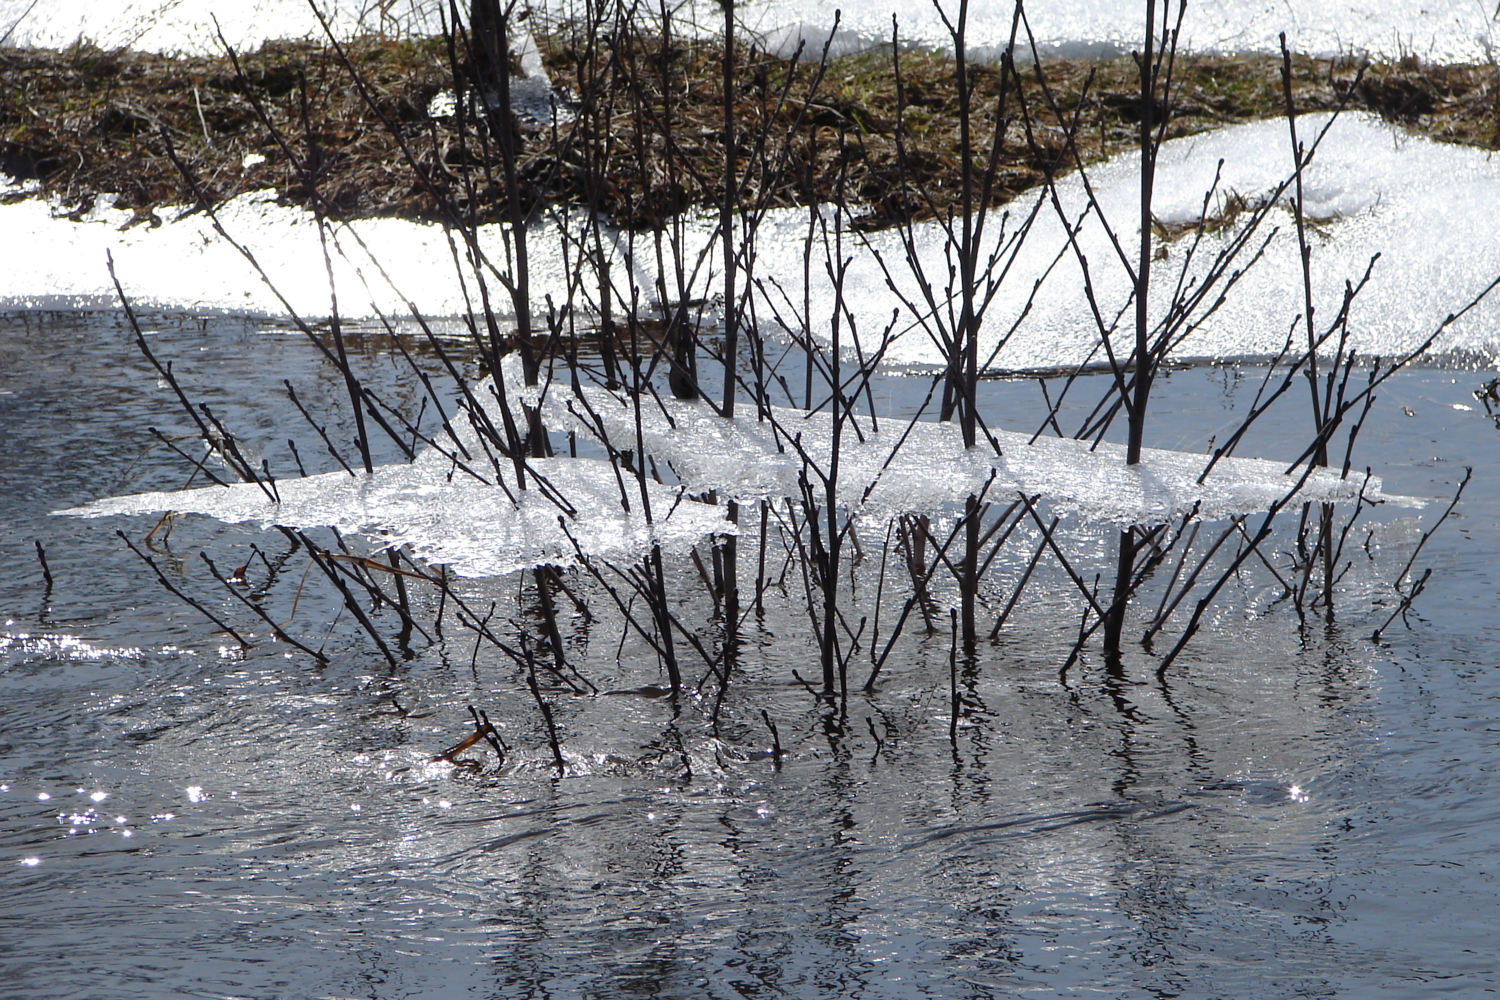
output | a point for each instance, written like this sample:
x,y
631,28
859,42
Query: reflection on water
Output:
x,y
1296,814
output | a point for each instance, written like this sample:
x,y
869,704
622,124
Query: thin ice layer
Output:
x,y
471,526
892,467
447,516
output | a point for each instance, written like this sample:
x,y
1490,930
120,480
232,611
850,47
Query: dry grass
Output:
x,y
648,142
85,121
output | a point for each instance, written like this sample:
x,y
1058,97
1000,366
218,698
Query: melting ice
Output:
x,y
1438,31
451,517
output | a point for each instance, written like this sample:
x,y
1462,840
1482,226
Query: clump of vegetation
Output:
x,y
659,121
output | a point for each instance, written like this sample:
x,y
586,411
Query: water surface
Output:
x,y
1297,813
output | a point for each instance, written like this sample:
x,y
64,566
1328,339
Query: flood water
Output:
x,y
1296,813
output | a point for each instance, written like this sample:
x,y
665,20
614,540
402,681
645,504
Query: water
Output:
x,y
1294,815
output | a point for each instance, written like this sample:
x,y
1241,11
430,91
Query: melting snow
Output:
x,y
1424,206
188,26
1435,31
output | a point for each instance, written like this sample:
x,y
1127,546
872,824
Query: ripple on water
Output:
x,y
1298,813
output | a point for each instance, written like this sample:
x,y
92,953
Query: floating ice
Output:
x,y
900,466
448,516
471,526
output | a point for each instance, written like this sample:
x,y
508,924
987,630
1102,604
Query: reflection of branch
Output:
x,y
1253,544
1408,597
1051,543
161,578
483,730
275,629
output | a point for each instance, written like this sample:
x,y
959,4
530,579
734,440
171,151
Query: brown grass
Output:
x,y
84,121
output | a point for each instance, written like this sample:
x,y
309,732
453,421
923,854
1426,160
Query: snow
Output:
x,y
1442,31
1423,206
188,26
47,262
1436,31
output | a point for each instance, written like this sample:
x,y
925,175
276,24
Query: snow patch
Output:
x,y
1423,206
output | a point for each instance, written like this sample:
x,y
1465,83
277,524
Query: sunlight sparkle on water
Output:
x,y
1297,794
195,793
31,862
65,646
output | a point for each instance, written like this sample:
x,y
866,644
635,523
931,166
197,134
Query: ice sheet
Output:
x,y
899,466
472,527
447,516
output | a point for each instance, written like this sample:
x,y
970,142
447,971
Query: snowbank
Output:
x,y
1424,206
1371,189
1435,31
1440,31
188,26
